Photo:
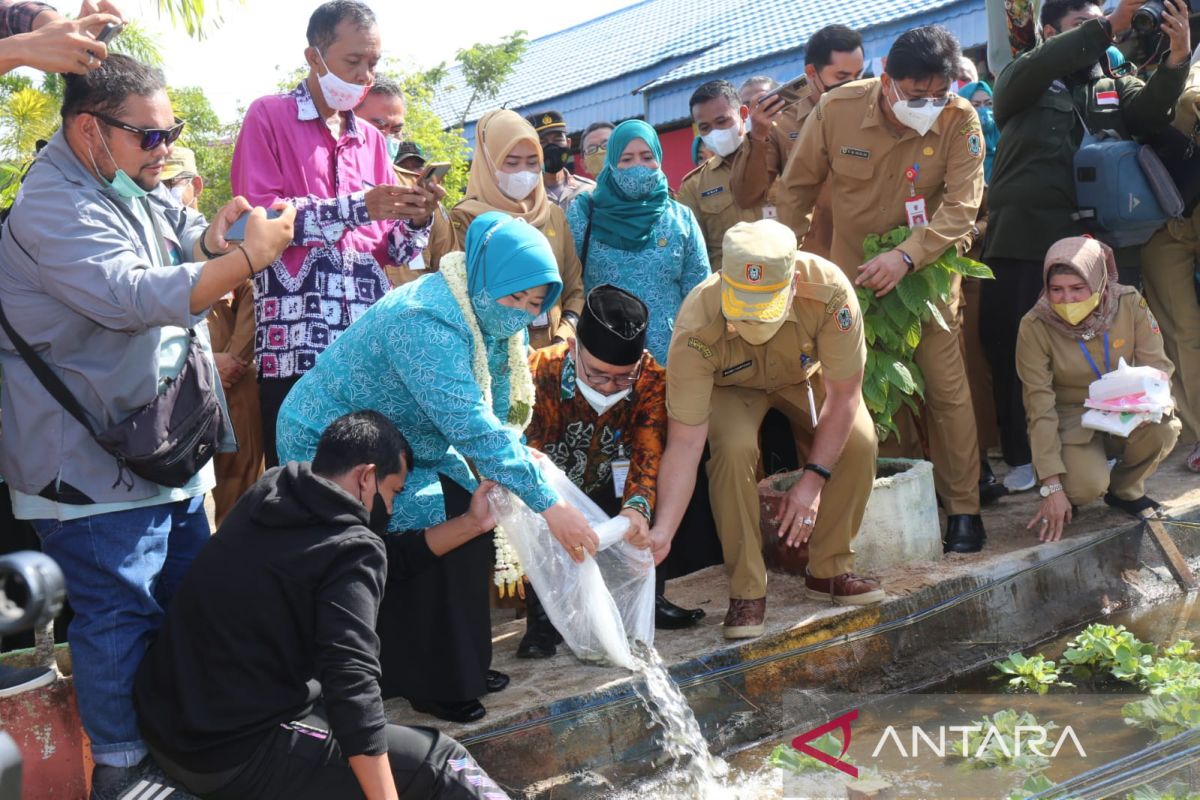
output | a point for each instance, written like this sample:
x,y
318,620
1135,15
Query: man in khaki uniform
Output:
x,y
705,190
1169,262
562,185
833,57
776,328
901,149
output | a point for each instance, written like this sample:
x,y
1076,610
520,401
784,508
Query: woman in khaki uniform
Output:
x,y
506,175
1082,324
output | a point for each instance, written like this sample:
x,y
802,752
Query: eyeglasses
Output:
x,y
592,149
921,102
151,137
620,381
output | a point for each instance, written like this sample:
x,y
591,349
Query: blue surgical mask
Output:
x,y
121,183
498,321
987,119
393,146
636,182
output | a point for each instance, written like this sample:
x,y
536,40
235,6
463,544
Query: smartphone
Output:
x,y
792,92
434,172
108,32
237,231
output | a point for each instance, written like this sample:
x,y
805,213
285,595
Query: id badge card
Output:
x,y
620,473
542,320
914,210
770,212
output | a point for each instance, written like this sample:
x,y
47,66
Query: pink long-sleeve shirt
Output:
x,y
333,271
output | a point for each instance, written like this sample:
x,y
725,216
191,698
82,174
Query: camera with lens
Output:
x,y
32,590
1149,18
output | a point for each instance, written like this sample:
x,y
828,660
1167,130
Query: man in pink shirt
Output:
x,y
308,148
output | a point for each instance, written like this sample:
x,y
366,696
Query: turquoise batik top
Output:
x,y
409,357
660,274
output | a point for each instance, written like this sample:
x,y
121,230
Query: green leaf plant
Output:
x,y
892,326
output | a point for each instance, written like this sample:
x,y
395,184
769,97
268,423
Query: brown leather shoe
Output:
x,y
846,589
744,620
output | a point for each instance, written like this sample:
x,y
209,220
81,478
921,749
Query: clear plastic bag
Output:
x,y
598,606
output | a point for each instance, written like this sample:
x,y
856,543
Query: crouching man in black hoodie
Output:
x,y
264,682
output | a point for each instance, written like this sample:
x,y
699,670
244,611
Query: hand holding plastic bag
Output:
x,y
597,605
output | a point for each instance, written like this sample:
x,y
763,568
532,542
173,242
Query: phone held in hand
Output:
x,y
792,92
108,32
434,172
237,231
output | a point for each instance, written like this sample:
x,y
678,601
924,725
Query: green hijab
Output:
x,y
619,219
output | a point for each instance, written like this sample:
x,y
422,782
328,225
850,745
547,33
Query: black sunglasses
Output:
x,y
151,137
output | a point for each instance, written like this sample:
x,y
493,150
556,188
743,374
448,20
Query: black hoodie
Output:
x,y
277,610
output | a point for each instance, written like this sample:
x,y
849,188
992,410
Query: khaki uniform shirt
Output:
x,y
823,333
705,190
848,143
1055,375
1187,110
757,166
558,233
563,194
400,274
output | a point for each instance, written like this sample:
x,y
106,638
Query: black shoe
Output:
x,y
990,493
146,779
1134,507
465,711
670,617
986,476
495,681
964,534
541,638
14,680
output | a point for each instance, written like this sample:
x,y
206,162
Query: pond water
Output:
x,y
907,741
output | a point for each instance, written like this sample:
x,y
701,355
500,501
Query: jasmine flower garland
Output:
x,y
508,569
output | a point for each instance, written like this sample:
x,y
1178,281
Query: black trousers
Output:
x,y
435,627
302,761
1003,302
271,394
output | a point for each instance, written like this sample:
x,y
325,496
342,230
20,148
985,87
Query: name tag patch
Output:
x,y
714,190
725,373
856,152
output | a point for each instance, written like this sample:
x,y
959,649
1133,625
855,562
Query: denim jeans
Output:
x,y
121,570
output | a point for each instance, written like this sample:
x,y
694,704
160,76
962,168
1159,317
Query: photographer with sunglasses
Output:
x,y
108,279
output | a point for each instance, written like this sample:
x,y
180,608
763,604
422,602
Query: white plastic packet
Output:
x,y
1121,400
598,606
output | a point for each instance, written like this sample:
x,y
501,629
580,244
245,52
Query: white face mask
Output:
x,y
179,191
723,141
518,185
339,94
601,403
921,118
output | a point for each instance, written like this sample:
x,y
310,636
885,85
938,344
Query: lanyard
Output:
x,y
1092,362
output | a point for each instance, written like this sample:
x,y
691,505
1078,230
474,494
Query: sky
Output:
x,y
259,41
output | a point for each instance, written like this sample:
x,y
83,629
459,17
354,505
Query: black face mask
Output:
x,y
379,515
555,158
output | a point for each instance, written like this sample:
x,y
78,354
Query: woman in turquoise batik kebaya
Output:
x,y
445,359
631,234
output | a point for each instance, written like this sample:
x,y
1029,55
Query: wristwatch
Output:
x,y
908,260
1049,489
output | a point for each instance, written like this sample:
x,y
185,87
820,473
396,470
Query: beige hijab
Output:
x,y
1093,261
496,134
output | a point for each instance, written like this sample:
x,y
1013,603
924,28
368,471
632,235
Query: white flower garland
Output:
x,y
508,571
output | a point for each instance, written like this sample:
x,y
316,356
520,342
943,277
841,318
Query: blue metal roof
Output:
x,y
645,60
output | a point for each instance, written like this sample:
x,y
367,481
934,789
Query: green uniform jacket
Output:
x,y
1032,194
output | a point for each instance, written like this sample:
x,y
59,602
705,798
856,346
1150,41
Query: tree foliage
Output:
x,y
211,141
485,67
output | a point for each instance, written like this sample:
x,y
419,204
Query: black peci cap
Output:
x,y
613,325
